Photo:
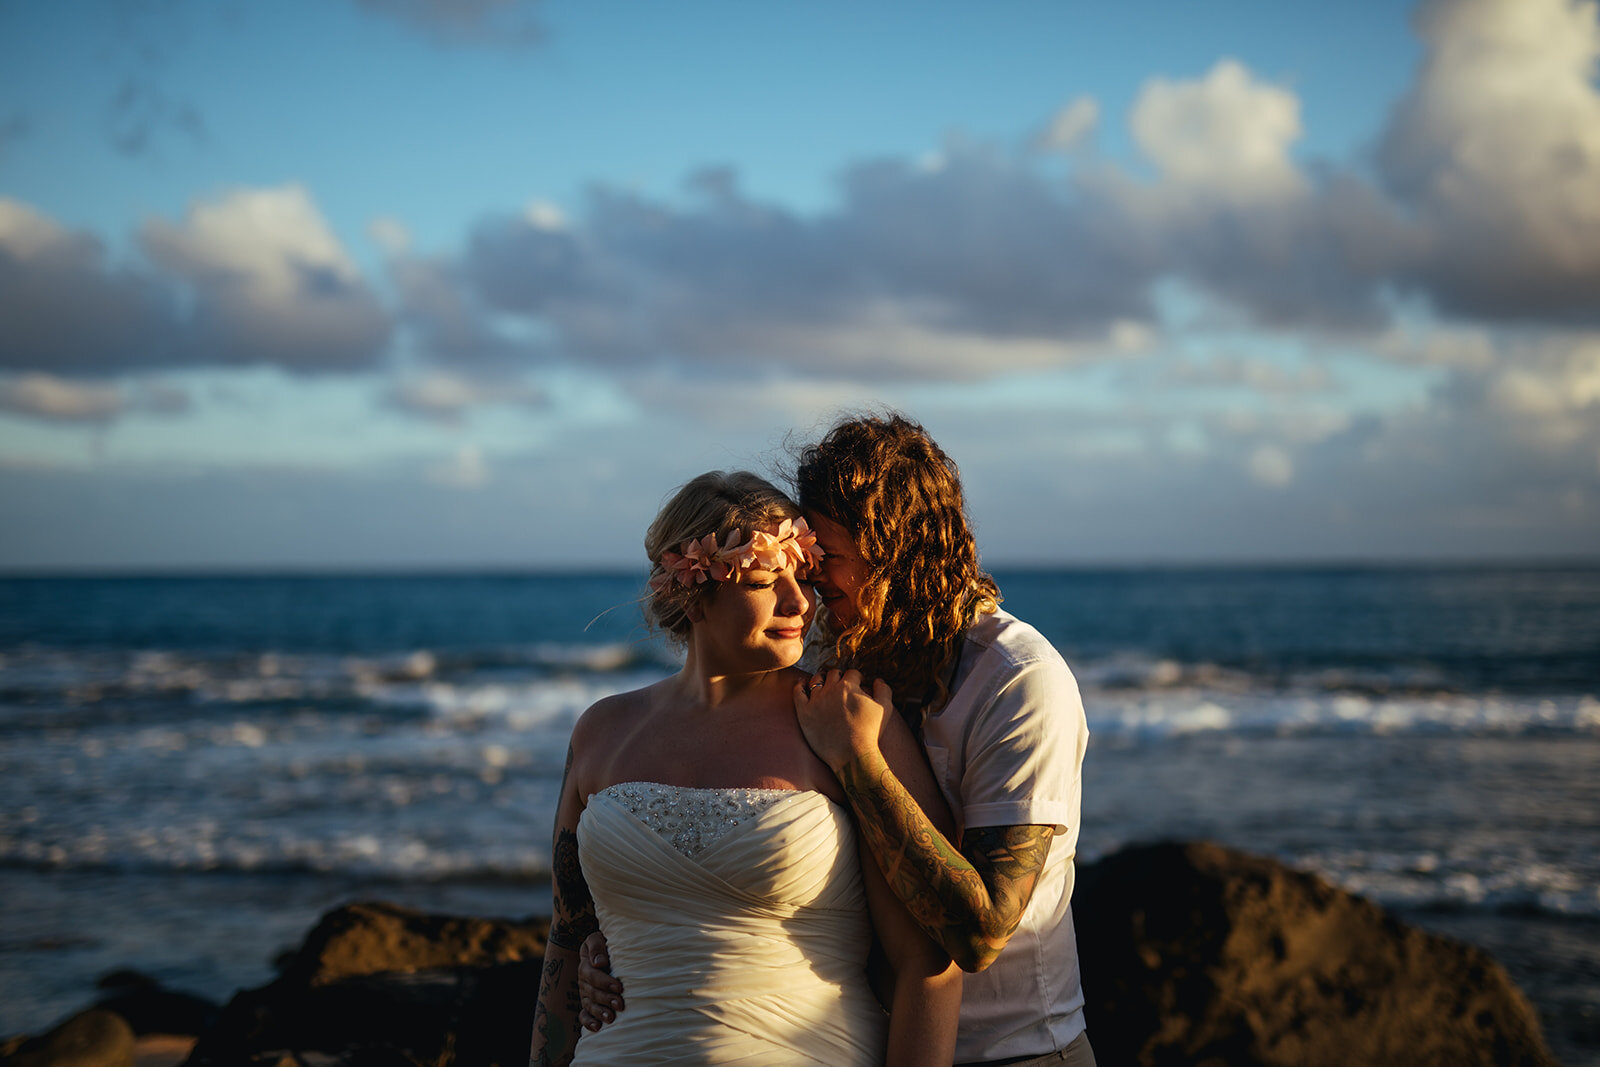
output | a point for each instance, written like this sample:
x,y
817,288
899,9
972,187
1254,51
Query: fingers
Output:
x,y
833,677
594,948
599,993
592,1016
882,693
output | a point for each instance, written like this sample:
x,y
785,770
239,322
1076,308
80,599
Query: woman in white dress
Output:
x,y
696,827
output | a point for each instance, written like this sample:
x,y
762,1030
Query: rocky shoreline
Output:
x,y
1193,954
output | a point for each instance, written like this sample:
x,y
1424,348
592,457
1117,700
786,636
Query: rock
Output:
x,y
1200,955
151,1009
1192,954
89,1039
161,1050
377,984
374,937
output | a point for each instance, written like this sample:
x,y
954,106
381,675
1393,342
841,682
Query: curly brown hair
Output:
x,y
717,502
885,481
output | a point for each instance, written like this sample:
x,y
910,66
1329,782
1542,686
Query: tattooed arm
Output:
x,y
555,1020
922,988
970,899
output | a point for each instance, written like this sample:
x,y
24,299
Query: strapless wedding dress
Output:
x,y
737,925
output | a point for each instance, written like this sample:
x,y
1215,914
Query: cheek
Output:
x,y
852,577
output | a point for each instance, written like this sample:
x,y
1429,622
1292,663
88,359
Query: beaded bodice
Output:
x,y
691,819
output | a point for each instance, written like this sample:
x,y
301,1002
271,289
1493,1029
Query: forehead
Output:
x,y
834,538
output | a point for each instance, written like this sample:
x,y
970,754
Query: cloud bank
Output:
x,y
1484,204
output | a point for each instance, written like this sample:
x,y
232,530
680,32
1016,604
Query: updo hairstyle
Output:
x,y
715,502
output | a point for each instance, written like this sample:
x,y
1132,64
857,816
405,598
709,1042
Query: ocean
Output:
x,y
192,769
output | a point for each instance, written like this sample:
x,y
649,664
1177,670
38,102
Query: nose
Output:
x,y
792,599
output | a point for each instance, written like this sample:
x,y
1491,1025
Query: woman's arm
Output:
x,y
555,1021
924,994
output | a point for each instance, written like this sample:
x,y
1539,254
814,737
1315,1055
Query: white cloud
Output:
x,y
465,470
1070,127
1548,390
389,234
973,269
42,396
1497,147
447,397
1271,466
1438,345
544,215
1256,374
65,309
271,283
1226,135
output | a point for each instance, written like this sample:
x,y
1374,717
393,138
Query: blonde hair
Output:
x,y
899,496
716,502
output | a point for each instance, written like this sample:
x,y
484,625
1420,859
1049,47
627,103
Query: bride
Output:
x,y
698,829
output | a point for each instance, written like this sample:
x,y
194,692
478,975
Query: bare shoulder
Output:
x,y
608,713
601,731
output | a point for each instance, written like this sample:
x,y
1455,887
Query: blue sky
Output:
x,y
476,282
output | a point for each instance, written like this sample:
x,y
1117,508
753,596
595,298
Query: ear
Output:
x,y
695,610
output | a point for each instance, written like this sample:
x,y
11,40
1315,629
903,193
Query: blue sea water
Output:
x,y
192,769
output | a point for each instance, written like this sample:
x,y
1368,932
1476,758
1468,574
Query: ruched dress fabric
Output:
x,y
737,925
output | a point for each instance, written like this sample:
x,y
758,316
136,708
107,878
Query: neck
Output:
x,y
711,687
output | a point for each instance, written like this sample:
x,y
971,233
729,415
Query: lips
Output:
x,y
787,631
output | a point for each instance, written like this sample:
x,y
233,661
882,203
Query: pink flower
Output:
x,y
789,543
769,550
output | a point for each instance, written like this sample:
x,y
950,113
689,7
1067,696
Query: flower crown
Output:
x,y
789,543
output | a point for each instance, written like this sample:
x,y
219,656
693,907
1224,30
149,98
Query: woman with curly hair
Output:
x,y
998,713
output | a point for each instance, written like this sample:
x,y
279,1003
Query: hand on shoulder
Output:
x,y
839,717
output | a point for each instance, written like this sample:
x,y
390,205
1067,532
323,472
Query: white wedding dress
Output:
x,y
737,925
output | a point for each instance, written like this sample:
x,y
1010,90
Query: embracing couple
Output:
x,y
772,853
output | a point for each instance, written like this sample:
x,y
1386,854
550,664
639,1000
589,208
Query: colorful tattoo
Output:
x,y
970,900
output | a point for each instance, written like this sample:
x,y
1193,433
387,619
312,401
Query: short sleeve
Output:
x,y
1025,751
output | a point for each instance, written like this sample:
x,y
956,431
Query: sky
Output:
x,y
452,284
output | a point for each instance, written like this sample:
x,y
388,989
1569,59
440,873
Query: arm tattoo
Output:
x,y
574,917
559,1039
555,1026
970,900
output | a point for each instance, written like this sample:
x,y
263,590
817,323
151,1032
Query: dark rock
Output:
x,y
149,1008
1192,954
374,937
88,1039
1199,955
377,985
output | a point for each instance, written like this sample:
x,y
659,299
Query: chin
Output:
x,y
840,618
779,656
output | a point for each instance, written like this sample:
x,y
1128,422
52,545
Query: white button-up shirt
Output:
x,y
1007,750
